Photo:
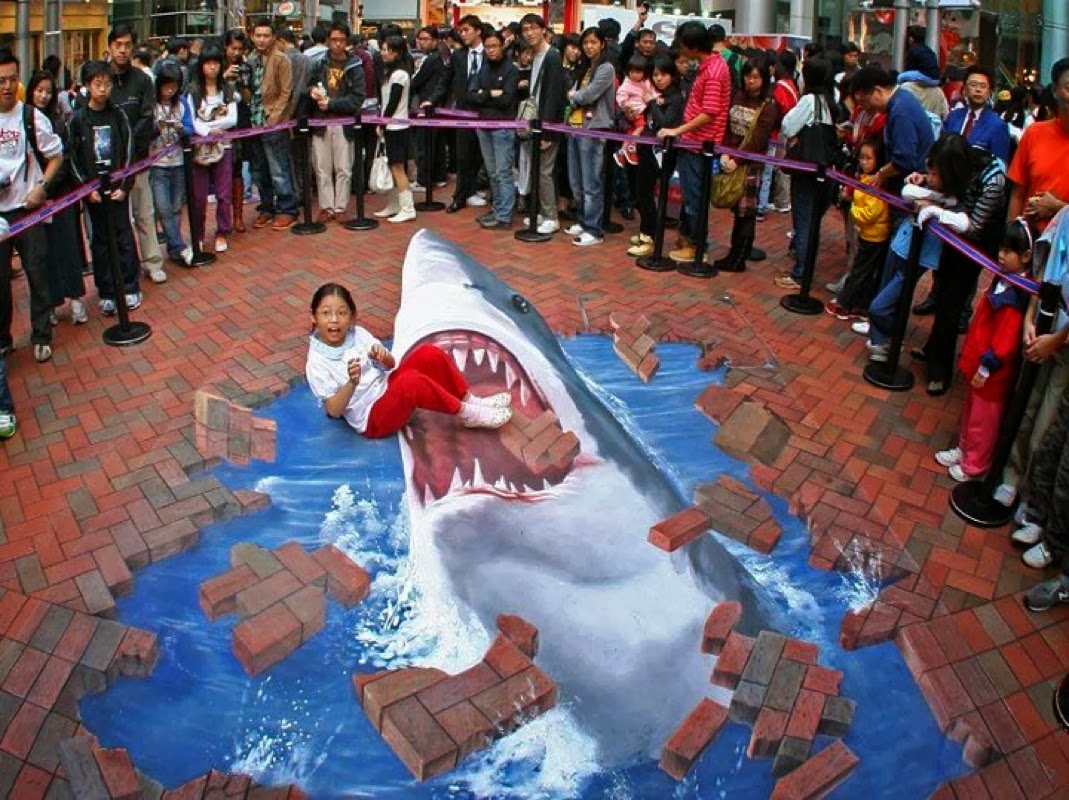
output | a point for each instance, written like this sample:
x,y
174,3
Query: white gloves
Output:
x,y
957,221
912,192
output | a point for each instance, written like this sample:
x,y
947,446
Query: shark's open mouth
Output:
x,y
447,459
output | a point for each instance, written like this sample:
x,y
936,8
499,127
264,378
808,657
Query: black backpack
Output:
x,y
29,124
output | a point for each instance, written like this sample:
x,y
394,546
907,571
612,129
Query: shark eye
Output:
x,y
519,302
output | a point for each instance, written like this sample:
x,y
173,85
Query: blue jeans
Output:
x,y
269,160
883,307
168,191
586,165
6,401
689,166
499,154
808,198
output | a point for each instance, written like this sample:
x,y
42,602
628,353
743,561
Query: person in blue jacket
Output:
x,y
976,120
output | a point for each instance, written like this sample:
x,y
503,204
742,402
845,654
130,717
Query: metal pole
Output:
x,y
657,262
802,302
308,226
359,222
699,267
430,142
530,233
932,36
22,39
898,54
53,39
126,332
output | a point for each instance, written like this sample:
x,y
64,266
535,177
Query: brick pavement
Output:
x,y
97,483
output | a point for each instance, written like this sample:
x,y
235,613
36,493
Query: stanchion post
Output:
x,y
429,137
974,501
200,258
802,302
126,332
657,262
700,268
530,233
887,374
359,222
607,225
308,226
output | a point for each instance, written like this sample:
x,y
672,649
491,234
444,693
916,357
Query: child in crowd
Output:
x,y
356,377
215,109
872,217
100,142
172,118
634,94
990,358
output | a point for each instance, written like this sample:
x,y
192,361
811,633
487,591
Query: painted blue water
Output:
x,y
300,720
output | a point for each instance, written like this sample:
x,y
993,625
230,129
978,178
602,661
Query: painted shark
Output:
x,y
620,621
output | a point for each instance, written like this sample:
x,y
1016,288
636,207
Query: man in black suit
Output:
x,y
457,80
424,82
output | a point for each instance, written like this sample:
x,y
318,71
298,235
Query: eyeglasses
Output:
x,y
9,80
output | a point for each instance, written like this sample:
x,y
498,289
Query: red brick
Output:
x,y
137,653
945,695
973,632
768,730
25,623
692,737
50,682
520,632
766,536
218,595
456,688
1028,718
819,775
1030,773
380,694
1000,783
822,679
805,718
171,539
679,529
362,679
978,746
118,773
10,605
1042,656
32,782
265,639
505,658
347,582
524,695
920,649
113,569
802,652
309,605
418,740
719,625
76,637
1004,729
971,787
732,660
467,727
24,673
261,596
22,730
297,560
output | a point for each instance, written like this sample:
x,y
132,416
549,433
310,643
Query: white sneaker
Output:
x,y
107,307
835,286
574,230
186,255
133,301
402,216
878,352
53,320
499,400
861,327
477,415
477,201
585,239
42,353
958,474
948,458
79,314
527,221
641,238
157,275
1038,557
389,211
1023,514
548,226
1030,533
1005,494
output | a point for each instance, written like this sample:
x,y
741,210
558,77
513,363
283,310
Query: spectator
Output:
x,y
300,69
337,91
28,168
921,78
495,96
705,119
133,94
269,156
215,109
397,65
610,32
238,77
976,121
775,183
424,80
721,48
172,120
634,94
639,39
319,48
851,55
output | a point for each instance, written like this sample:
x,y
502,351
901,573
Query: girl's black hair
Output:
x,y
1018,236
950,157
332,290
640,63
876,143
39,76
760,66
817,76
397,44
197,83
585,64
662,62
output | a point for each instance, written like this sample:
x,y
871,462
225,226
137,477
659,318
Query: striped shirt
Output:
x,y
710,94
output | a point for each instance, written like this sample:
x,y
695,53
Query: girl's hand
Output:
x,y
1042,348
916,179
354,371
378,353
728,164
1029,332
94,197
978,380
117,195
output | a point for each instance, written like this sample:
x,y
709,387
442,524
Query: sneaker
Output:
x,y
157,275
263,220
586,239
784,209
403,216
955,471
762,214
477,201
574,230
1038,557
1005,495
861,327
42,353
641,250
948,458
499,400
527,221
835,287
133,301
221,244
79,314
415,187
477,415
620,157
440,184
548,226
8,424
1029,534
186,256
490,217
107,307
683,255
877,352
630,155
641,238
836,310
53,320
786,282
1048,594
283,222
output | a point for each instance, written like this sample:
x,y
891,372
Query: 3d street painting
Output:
x,y
461,613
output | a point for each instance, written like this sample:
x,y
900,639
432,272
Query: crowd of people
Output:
x,y
987,166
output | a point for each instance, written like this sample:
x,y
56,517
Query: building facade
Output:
x,y
82,35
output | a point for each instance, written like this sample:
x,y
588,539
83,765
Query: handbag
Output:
x,y
528,109
727,187
381,179
207,154
816,143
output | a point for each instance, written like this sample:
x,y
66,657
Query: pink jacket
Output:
x,y
635,96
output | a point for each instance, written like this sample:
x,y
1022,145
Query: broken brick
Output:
x,y
692,737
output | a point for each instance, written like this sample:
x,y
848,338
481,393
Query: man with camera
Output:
x,y
25,168
238,75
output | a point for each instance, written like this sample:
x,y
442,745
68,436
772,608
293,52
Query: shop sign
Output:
x,y
664,25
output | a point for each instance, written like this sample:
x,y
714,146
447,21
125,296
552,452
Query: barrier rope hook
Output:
x,y
126,332
530,233
657,262
802,302
309,226
199,258
359,222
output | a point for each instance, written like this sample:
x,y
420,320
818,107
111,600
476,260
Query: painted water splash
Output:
x,y
862,579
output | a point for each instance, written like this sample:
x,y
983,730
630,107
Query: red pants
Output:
x,y
425,378
980,423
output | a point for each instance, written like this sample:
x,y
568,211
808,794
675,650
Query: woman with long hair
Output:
x,y
65,260
751,120
215,109
396,80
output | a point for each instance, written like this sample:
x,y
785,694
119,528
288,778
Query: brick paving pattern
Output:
x,y
100,482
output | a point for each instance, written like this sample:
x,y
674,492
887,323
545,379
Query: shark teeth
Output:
x,y
493,355
428,495
525,393
478,353
477,478
460,356
457,482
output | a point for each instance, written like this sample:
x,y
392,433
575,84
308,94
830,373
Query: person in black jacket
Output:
x,y
455,85
336,90
495,96
549,84
133,93
101,141
424,81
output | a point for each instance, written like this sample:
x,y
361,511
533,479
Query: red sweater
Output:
x,y
994,340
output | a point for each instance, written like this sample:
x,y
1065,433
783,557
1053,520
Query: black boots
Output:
x,y
742,236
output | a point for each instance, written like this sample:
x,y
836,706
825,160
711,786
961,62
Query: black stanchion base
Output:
x,y
876,373
360,224
972,501
528,235
201,259
703,270
613,227
308,228
796,304
125,335
431,205
1061,702
655,264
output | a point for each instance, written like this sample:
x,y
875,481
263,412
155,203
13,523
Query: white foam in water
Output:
x,y
862,579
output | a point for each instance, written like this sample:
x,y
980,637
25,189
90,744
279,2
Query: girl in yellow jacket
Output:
x,y
873,220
